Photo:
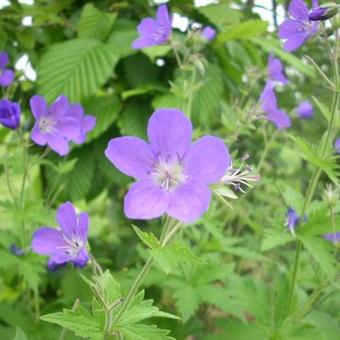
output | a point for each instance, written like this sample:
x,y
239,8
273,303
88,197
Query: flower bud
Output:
x,y
323,13
9,114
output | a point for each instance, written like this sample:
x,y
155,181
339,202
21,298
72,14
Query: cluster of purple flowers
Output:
x,y
6,75
59,124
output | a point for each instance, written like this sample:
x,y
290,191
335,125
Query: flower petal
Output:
x,y
162,16
279,118
58,143
67,219
295,41
145,200
131,155
189,202
207,160
3,60
47,240
37,136
147,26
6,78
83,227
143,43
82,258
268,98
169,132
298,9
290,27
38,106
58,260
59,107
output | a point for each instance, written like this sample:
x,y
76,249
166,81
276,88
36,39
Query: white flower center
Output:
x,y
46,124
168,174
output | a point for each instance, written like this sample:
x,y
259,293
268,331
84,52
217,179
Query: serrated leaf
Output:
x,y
148,238
76,68
187,301
144,332
80,321
293,198
110,287
273,238
95,23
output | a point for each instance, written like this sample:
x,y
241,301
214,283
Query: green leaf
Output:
x,y
80,321
243,31
106,110
187,301
110,287
95,23
318,223
274,238
148,238
76,68
19,334
292,198
144,332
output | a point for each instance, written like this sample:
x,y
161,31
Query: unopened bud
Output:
x,y
323,13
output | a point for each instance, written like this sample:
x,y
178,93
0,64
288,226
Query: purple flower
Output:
x,y
9,114
58,124
292,220
6,75
67,244
269,105
323,13
275,70
305,110
337,145
173,175
154,31
16,250
300,28
208,33
333,237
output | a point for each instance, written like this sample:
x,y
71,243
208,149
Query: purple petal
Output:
x,y
145,200
82,258
38,106
169,132
131,155
3,60
68,127
58,144
58,260
162,16
275,70
59,107
290,27
207,160
46,241
37,136
208,33
83,227
6,78
147,26
337,145
189,202
279,118
305,110
143,43
9,114
298,9
333,237
67,219
88,123
268,98
295,41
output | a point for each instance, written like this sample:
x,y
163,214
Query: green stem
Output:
x,y
266,150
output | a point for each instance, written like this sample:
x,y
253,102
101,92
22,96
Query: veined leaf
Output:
x,y
274,238
148,238
145,332
76,68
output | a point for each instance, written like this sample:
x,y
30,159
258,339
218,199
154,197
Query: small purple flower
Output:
x,y
16,250
9,114
337,145
67,244
269,105
59,124
300,28
292,220
333,237
323,13
154,31
305,110
275,70
208,33
6,75
173,175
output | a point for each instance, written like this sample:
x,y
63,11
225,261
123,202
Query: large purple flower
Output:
x,y
58,124
268,102
6,75
67,244
173,175
305,110
276,70
208,33
154,31
9,114
299,28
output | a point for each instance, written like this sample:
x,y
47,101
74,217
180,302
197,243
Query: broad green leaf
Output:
x,y
95,23
110,287
80,321
76,68
243,31
187,301
144,332
273,238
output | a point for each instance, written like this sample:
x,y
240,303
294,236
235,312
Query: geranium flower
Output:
x,y
208,33
323,13
154,31
300,28
6,75
292,220
58,124
333,237
173,175
66,244
9,114
268,102
305,110
337,145
276,70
